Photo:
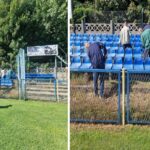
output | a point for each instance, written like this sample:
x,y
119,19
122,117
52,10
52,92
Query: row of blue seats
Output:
x,y
39,76
6,82
102,40
112,63
102,35
112,52
107,44
128,63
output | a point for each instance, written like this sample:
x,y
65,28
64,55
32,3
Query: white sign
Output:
x,y
46,50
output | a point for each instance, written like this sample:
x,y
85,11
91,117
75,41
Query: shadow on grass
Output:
x,y
7,106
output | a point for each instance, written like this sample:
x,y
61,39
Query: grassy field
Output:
x,y
33,125
109,137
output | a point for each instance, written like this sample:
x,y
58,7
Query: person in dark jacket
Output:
x,y
97,54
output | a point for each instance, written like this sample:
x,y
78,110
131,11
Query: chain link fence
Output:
x,y
88,107
138,97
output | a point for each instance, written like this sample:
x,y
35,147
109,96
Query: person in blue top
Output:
x,y
97,54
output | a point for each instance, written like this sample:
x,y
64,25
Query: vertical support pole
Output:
x,y
119,93
22,73
18,75
123,96
128,100
56,86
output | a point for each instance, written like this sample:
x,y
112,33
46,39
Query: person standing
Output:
x,y
97,54
125,36
3,73
145,38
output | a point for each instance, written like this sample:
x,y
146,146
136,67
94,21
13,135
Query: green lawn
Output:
x,y
109,137
30,125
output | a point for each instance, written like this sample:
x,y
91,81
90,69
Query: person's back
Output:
x,y
125,35
145,37
96,56
3,73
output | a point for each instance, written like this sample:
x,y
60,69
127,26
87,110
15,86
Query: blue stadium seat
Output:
x,y
116,40
6,82
138,64
128,63
108,45
97,38
91,38
77,43
111,53
120,52
86,64
117,63
108,63
128,52
75,62
137,44
147,64
115,45
85,38
137,52
76,52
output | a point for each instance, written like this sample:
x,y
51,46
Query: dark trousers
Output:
x,y
146,53
126,45
100,76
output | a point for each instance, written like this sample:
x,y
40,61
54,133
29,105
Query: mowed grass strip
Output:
x,y
109,137
30,125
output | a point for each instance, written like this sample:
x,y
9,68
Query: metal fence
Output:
x,y
47,86
138,97
86,107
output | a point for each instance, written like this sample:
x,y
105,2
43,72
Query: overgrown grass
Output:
x,y
30,125
84,105
109,137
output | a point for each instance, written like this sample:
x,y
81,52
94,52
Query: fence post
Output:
x,y
111,27
123,96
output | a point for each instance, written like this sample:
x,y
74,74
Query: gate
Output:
x,y
138,97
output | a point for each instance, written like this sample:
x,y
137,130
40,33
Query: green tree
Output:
x,y
31,22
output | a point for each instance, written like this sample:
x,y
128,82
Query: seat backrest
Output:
x,y
76,60
112,50
120,50
128,60
138,61
109,61
128,50
118,60
86,60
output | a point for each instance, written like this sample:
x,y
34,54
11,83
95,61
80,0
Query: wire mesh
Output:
x,y
9,88
87,106
138,97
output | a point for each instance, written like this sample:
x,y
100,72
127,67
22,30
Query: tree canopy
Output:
x,y
99,10
31,22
